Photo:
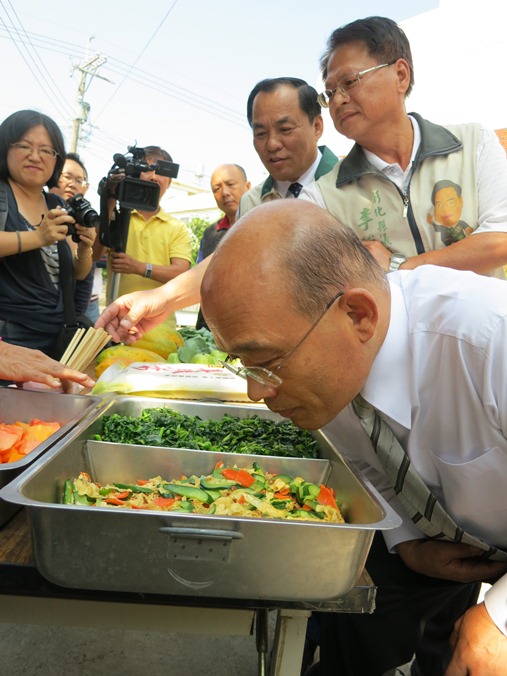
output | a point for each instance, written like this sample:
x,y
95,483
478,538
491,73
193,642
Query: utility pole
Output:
x,y
88,68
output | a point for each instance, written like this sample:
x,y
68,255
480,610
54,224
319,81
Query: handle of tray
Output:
x,y
201,533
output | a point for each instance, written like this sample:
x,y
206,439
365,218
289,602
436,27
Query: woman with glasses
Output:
x,y
34,241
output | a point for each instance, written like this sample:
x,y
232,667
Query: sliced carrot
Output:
x,y
325,497
122,495
164,502
114,501
240,476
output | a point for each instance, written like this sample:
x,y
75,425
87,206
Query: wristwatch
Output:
x,y
148,270
396,260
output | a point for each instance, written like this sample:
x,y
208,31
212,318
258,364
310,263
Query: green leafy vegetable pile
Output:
x,y
164,427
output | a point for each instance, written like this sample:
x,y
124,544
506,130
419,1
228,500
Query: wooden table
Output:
x,y
40,601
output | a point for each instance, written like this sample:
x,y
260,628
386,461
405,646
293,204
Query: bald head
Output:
x,y
292,246
228,184
287,285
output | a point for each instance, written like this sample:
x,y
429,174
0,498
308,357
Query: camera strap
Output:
x,y
4,205
69,308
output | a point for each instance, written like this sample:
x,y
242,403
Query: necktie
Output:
x,y
294,189
418,501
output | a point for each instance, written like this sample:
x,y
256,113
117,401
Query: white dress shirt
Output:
x,y
305,180
440,382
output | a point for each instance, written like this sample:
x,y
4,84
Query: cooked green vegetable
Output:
x,y
164,427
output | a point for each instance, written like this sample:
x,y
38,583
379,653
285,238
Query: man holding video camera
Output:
x,y
158,246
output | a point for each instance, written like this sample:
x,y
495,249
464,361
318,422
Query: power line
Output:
x,y
151,82
43,72
140,55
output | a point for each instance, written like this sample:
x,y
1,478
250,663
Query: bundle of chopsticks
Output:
x,y
84,347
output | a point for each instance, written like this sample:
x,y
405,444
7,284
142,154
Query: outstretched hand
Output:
x,y
129,317
22,365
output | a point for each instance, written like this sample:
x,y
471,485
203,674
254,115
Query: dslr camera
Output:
x,y
133,192
83,213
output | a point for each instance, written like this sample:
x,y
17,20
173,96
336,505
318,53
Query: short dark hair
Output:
x,y
307,95
17,124
440,185
383,38
157,151
75,158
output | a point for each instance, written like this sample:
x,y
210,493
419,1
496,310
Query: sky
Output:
x,y
177,73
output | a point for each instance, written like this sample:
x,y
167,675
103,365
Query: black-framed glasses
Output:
x,y
346,84
25,148
265,376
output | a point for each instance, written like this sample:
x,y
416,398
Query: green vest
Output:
x,y
365,199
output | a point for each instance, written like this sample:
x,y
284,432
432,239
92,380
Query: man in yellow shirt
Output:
x,y
158,245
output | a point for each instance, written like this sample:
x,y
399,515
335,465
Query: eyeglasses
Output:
x,y
265,376
45,152
346,84
73,179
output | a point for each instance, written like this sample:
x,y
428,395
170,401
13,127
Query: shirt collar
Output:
x,y
305,179
388,385
223,224
393,171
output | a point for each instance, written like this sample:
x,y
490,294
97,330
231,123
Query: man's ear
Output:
x,y
403,73
362,311
318,126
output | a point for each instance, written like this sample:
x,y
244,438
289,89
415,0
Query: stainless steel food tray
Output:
x,y
25,405
187,554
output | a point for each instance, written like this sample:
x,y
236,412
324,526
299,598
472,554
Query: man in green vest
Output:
x,y
383,188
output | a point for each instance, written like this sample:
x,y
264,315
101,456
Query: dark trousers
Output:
x,y
414,614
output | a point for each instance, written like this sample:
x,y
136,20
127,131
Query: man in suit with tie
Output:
x,y
287,124
410,369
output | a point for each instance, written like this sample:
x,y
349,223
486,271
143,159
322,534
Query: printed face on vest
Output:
x,y
448,207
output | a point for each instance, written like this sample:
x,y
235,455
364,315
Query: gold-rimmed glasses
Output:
x,y
265,376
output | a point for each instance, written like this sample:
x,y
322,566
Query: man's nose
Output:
x,y
273,141
257,391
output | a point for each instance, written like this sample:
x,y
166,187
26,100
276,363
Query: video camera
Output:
x,y
83,213
133,192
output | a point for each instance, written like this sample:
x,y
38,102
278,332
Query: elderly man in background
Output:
x,y
287,124
228,184
383,188
408,371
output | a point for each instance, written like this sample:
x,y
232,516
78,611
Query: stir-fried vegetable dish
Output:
x,y
228,491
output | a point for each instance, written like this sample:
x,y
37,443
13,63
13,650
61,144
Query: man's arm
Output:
x,y
130,316
122,263
485,249
481,252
